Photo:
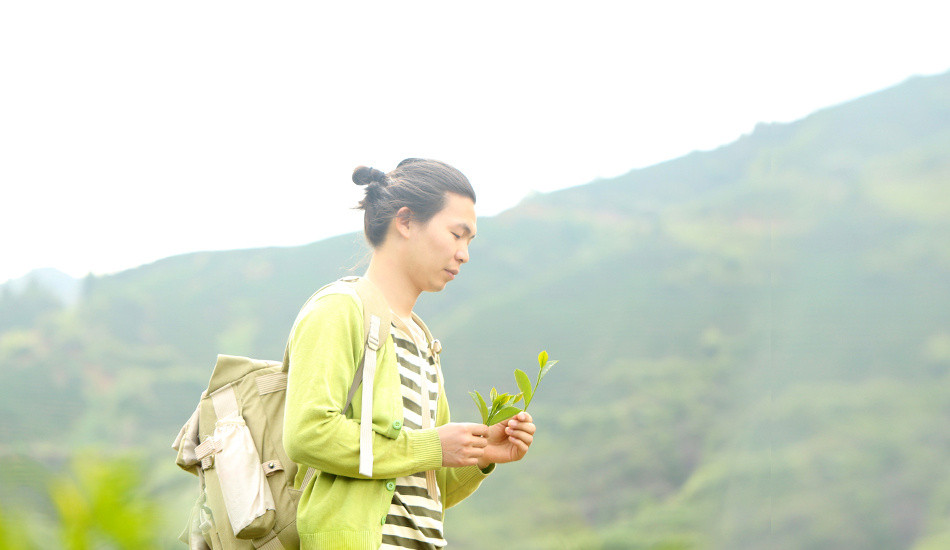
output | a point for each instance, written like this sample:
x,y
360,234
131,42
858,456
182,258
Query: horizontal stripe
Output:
x,y
422,360
409,384
415,369
399,521
422,506
421,511
420,515
401,341
408,491
410,487
411,420
406,359
410,380
393,541
415,395
411,406
425,528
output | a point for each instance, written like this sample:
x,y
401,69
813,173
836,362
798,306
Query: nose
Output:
x,y
462,253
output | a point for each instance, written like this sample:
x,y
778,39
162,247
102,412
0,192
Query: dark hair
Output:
x,y
420,184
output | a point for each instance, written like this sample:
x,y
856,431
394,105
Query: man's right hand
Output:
x,y
463,443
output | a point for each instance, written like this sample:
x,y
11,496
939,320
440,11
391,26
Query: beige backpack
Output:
x,y
233,442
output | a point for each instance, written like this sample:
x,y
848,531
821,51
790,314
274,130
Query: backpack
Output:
x,y
233,441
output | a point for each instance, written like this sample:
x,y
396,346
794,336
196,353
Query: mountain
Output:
x,y
26,300
754,344
62,285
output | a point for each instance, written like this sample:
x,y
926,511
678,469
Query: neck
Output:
x,y
386,273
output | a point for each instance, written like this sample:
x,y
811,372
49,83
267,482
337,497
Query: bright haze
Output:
x,y
132,131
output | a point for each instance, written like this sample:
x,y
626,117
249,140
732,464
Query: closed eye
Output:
x,y
461,231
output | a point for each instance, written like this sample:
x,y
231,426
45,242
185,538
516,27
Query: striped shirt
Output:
x,y
414,519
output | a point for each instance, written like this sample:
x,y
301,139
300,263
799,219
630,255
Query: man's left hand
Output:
x,y
508,441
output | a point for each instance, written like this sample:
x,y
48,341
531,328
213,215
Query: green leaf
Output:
x,y
502,415
480,403
542,359
483,407
518,397
493,394
546,368
501,400
524,384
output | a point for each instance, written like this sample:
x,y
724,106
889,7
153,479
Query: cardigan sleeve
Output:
x,y
325,348
460,483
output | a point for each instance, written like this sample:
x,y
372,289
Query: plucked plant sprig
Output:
x,y
502,405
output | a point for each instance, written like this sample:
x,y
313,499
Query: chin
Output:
x,y
437,286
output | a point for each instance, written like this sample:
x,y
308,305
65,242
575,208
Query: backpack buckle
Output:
x,y
271,467
372,339
205,453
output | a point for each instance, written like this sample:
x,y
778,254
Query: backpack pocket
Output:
x,y
247,495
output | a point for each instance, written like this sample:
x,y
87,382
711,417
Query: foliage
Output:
x,y
96,502
27,307
758,338
13,531
101,502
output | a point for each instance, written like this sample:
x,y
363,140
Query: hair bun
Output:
x,y
365,175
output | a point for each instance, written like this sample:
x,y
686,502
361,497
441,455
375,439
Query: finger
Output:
x,y
520,444
479,430
479,442
524,427
521,437
515,423
523,416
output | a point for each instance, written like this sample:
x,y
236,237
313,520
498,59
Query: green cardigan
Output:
x,y
339,508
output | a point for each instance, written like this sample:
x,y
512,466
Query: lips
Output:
x,y
453,272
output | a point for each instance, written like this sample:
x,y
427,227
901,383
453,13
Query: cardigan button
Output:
x,y
397,425
382,520
390,486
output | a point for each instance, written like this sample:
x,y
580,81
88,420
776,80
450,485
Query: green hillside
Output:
x,y
754,345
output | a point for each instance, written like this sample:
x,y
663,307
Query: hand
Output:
x,y
463,444
508,441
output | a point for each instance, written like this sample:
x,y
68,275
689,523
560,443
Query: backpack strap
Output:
x,y
377,320
435,348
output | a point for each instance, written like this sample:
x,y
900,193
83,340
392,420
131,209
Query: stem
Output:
x,y
534,391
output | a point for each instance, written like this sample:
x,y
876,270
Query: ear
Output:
x,y
402,221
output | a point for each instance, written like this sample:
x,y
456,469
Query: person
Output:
x,y
419,220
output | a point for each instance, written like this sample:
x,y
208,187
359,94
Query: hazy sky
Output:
x,y
132,131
